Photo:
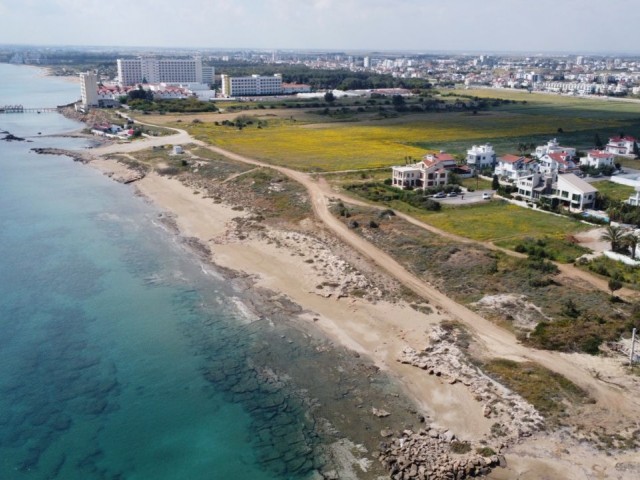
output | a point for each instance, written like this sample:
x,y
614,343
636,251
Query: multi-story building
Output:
x,y
621,145
512,167
566,190
553,146
89,90
251,86
598,159
433,171
163,70
480,157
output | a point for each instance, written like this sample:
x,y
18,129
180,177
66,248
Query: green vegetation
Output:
x,y
186,105
550,393
568,315
614,191
610,268
460,447
561,248
476,183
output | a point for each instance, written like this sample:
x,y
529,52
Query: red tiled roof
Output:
x,y
626,138
600,154
510,158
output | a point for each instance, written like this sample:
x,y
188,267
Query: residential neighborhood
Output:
x,y
554,175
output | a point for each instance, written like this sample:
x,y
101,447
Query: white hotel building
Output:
x,y
163,70
251,86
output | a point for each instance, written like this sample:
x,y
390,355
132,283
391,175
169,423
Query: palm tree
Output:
x,y
631,241
613,234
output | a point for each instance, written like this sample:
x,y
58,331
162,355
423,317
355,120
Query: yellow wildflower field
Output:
x,y
335,146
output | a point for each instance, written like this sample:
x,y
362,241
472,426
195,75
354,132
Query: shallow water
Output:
x,y
111,331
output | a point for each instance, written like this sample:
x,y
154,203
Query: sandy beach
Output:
x,y
385,330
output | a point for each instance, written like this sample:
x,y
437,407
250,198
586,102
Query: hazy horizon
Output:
x,y
420,26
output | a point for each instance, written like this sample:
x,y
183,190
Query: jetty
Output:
x,y
23,109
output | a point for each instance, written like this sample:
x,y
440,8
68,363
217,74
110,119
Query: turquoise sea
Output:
x,y
122,356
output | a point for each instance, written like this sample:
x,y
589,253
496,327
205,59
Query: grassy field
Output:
x,y
476,183
614,191
500,222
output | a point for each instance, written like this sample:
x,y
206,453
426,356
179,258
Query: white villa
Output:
x,y
553,146
567,190
512,167
598,159
557,162
481,156
621,145
432,171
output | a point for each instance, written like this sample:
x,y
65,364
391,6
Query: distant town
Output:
x,y
566,74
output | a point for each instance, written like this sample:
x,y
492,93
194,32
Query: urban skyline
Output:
x,y
352,25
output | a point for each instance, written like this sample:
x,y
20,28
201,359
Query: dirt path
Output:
x,y
495,340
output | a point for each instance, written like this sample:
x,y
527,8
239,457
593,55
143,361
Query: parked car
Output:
x,y
486,196
440,195
453,194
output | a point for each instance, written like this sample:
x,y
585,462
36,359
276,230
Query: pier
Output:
x,y
22,109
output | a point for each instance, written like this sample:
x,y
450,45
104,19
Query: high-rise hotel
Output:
x,y
163,70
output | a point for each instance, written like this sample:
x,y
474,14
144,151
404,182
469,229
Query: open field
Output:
x,y
499,221
476,183
304,139
614,191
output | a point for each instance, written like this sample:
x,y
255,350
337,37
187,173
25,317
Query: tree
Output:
x,y
329,97
398,101
631,240
597,142
613,234
495,183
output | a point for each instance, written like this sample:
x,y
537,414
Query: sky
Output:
x,y
532,26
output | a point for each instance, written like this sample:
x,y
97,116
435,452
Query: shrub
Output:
x,y
460,447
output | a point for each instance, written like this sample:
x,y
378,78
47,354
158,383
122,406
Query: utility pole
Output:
x,y
633,347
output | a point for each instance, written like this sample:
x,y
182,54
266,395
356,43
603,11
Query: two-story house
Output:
x,y
558,162
511,167
432,171
621,145
565,189
598,159
480,157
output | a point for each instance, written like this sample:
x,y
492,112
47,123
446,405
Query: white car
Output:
x,y
486,196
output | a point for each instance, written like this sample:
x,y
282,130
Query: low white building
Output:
x,y
481,156
598,159
553,146
621,145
